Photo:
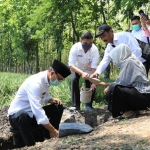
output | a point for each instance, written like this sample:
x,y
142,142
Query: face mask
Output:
x,y
86,47
55,82
136,27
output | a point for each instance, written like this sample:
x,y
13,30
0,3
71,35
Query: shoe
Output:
x,y
127,114
106,108
74,108
89,108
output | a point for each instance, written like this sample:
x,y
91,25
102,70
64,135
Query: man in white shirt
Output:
x,y
139,34
138,31
26,109
112,39
83,60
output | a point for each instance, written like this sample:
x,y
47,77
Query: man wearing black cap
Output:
x,y
26,108
112,40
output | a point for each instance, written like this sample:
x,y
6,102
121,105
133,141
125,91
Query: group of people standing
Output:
x,y
84,56
130,91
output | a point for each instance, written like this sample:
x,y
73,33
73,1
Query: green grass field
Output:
x,y
10,83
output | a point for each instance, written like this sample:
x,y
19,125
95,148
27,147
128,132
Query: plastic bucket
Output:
x,y
85,96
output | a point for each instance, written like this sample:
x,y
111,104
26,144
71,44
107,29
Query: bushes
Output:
x,y
10,83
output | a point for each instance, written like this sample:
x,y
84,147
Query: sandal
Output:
x,y
128,114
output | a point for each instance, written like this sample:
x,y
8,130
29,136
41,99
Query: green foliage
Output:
x,y
34,33
10,83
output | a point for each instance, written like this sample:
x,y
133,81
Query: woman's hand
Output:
x,y
144,21
93,86
106,90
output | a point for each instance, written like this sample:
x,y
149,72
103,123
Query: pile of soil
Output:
x,y
107,134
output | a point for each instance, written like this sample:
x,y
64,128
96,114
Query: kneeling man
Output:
x,y
26,108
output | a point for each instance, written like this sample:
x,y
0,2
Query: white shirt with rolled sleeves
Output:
x,y
29,97
120,38
82,60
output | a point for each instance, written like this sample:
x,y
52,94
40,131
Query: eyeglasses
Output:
x,y
60,80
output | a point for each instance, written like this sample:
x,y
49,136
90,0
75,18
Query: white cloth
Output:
x,y
120,38
29,97
140,35
132,71
82,60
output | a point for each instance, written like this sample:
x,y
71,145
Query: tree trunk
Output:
x,y
37,59
10,54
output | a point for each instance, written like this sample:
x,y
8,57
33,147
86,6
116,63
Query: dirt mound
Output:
x,y
108,133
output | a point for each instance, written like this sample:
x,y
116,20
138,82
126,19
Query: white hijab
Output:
x,y
132,71
120,53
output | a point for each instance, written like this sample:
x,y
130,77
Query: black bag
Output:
x,y
145,49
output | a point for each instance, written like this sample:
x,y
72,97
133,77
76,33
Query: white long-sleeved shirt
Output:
x,y
29,97
119,38
82,60
140,35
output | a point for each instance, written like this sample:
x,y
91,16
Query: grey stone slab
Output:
x,y
66,129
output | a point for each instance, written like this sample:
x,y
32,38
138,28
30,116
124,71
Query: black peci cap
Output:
x,y
102,29
61,68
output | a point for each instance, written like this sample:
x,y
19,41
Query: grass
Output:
x,y
71,139
10,82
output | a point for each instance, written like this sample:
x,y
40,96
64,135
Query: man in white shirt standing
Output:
x,y
112,39
26,109
83,60
138,31
139,34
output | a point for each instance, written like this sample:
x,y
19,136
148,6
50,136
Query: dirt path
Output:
x,y
127,134
109,134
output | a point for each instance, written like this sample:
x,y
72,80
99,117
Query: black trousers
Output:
x,y
22,121
147,66
75,91
125,98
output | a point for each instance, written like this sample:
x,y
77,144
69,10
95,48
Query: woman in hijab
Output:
x,y
131,90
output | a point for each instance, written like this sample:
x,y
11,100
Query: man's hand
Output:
x,y
84,75
55,101
53,133
94,75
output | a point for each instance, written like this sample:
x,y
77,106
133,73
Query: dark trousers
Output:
x,y
147,66
127,98
22,121
75,91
